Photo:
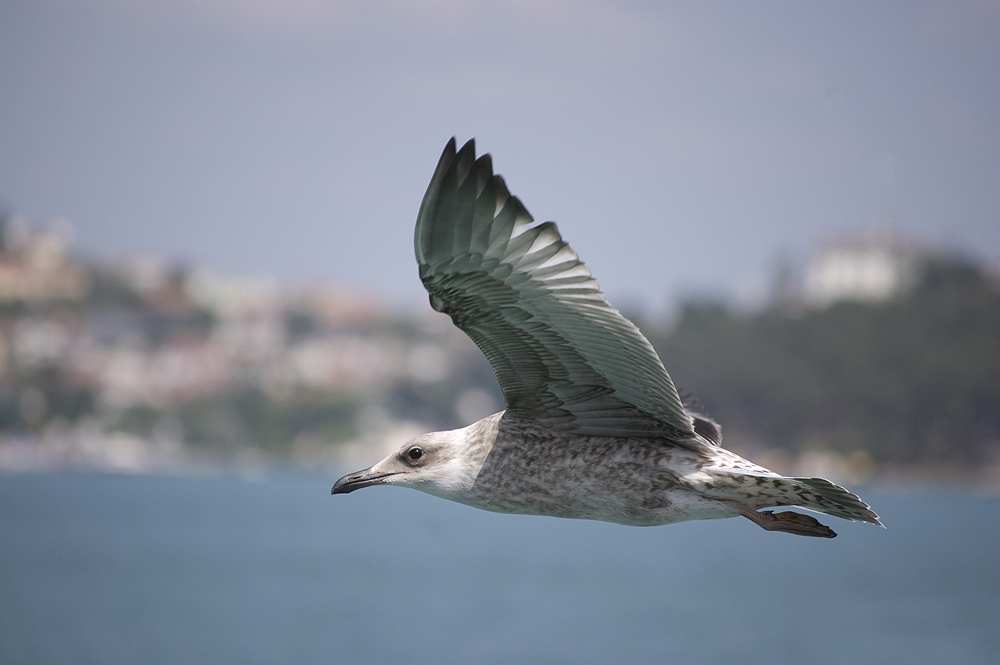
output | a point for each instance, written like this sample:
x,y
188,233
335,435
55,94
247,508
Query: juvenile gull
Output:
x,y
593,426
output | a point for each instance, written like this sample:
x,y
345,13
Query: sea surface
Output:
x,y
148,570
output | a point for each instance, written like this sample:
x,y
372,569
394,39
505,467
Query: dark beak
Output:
x,y
357,480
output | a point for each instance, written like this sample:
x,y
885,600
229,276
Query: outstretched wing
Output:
x,y
563,356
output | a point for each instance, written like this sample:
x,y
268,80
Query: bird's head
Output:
x,y
441,463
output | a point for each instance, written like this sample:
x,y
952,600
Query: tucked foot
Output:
x,y
789,522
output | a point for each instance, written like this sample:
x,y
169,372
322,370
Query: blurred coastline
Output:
x,y
876,362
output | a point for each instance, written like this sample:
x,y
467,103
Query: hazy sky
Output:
x,y
681,147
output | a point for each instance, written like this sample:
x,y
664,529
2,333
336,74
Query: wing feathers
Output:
x,y
563,356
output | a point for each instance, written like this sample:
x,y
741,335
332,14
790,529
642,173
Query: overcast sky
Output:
x,y
682,147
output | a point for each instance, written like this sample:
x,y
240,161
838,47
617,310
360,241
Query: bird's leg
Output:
x,y
789,522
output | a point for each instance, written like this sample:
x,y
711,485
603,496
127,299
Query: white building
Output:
x,y
871,267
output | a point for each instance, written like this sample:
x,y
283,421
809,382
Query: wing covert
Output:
x,y
562,354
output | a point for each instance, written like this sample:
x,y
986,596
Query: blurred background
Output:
x,y
206,267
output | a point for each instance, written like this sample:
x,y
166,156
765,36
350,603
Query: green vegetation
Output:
x,y
30,398
249,418
915,380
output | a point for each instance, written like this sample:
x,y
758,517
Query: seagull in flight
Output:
x,y
593,426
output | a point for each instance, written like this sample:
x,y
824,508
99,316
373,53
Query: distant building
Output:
x,y
34,265
873,266
234,297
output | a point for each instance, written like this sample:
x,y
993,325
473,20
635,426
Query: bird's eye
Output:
x,y
415,453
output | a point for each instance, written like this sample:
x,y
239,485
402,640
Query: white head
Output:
x,y
441,463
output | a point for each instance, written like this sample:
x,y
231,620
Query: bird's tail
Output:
x,y
826,497
764,491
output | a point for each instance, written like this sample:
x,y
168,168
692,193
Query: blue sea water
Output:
x,y
127,569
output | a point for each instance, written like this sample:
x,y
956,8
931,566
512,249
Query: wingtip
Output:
x,y
466,157
447,155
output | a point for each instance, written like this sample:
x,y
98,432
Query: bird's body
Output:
x,y
526,470
594,428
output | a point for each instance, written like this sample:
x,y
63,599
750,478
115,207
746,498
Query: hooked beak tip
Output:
x,y
343,486
355,481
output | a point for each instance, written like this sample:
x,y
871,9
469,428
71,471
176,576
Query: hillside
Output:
x,y
912,381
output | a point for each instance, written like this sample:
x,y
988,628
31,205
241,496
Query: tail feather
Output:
x,y
757,490
823,496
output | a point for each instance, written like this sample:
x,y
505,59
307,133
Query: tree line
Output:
x,y
914,380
